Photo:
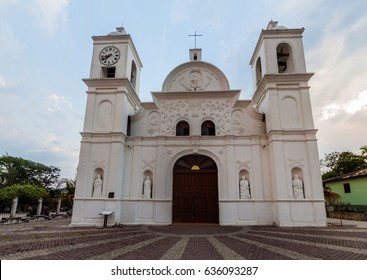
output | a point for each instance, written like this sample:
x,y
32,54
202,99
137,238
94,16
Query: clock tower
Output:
x,y
112,96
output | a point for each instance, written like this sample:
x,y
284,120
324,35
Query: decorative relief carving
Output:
x,y
243,164
296,162
195,79
154,122
216,110
238,126
148,163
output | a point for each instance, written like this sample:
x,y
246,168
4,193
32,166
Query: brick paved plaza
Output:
x,y
54,240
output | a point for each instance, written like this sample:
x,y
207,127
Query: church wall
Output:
x,y
158,155
295,155
240,151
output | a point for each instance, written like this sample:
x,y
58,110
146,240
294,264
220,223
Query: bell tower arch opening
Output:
x,y
195,190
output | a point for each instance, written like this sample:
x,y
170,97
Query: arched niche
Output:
x,y
104,116
298,189
147,187
285,58
289,113
244,185
98,177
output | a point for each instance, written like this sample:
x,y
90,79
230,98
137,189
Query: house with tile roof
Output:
x,y
352,188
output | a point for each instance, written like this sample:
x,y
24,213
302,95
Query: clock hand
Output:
x,y
106,56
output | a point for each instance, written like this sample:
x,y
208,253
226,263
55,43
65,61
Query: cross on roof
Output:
x,y
195,35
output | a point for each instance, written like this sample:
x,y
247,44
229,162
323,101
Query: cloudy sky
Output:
x,y
46,45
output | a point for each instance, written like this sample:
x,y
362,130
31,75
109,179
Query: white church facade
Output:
x,y
197,153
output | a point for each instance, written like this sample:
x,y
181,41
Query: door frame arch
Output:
x,y
177,156
218,172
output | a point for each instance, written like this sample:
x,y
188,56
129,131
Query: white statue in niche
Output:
x,y
244,188
147,187
297,188
97,186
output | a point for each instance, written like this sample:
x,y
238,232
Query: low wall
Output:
x,y
348,216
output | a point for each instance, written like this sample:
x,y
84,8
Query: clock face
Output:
x,y
109,55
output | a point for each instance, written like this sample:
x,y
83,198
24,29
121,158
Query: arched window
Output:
x,y
133,74
258,71
285,58
128,130
207,128
182,129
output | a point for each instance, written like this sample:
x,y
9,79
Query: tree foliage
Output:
x,y
68,193
16,170
341,163
331,196
27,194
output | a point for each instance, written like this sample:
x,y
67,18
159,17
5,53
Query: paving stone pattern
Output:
x,y
54,240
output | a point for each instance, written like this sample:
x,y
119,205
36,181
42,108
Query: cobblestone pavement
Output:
x,y
54,240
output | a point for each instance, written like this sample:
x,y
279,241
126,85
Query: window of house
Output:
x,y
346,188
207,128
182,129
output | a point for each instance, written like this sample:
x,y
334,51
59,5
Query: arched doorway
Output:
x,y
195,190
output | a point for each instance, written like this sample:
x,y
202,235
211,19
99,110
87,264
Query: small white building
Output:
x,y
197,153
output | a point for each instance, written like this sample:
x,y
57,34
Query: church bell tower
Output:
x,y
112,96
282,95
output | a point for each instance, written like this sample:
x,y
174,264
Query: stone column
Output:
x,y
58,207
14,206
39,207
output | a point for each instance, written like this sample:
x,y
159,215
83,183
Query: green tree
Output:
x,y
331,196
68,194
16,170
64,190
364,151
27,195
340,163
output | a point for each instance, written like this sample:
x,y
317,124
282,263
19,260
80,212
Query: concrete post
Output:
x,y
14,206
39,207
58,206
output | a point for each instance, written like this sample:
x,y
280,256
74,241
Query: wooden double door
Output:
x,y
195,190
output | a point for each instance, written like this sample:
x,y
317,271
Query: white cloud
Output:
x,y
58,103
356,104
330,111
50,14
350,107
340,71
